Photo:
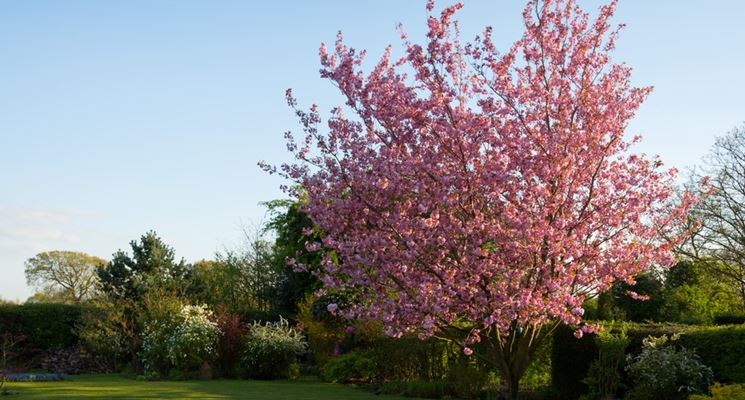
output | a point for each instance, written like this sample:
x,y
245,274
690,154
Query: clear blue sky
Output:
x,y
117,117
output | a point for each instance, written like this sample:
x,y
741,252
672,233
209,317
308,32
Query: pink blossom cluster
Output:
x,y
474,186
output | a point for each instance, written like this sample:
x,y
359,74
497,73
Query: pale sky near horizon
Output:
x,y
118,117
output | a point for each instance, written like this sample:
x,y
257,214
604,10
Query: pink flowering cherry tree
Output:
x,y
465,190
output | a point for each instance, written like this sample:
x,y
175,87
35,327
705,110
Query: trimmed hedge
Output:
x,y
729,319
722,348
46,325
570,360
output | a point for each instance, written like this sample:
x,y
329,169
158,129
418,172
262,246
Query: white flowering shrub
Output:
x,y
270,349
184,340
665,371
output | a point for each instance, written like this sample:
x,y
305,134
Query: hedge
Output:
x,y
46,325
720,347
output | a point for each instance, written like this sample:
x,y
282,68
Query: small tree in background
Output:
x,y
483,195
719,242
68,276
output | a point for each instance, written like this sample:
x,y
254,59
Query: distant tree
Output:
x,y
66,276
136,285
152,264
617,304
292,228
694,293
720,240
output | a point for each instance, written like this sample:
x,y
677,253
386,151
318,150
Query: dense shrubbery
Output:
x,y
46,326
183,340
351,367
270,349
665,371
722,392
720,348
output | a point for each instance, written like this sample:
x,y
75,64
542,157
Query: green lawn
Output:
x,y
118,387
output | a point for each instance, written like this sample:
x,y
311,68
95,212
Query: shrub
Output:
x,y
722,392
230,342
194,339
184,340
270,349
350,367
663,371
466,379
604,376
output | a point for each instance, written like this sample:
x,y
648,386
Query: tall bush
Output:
x,y
270,349
664,371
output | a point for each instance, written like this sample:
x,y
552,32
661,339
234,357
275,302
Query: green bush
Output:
x,y
664,371
270,349
571,357
722,392
350,367
183,338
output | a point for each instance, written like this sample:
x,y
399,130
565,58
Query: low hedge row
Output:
x,y
720,347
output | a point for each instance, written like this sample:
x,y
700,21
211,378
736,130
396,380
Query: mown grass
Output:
x,y
119,387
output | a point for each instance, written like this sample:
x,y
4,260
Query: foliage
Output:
x,y
350,367
183,339
694,294
194,338
136,284
152,264
45,325
292,227
230,342
159,327
99,336
722,392
719,221
729,319
241,279
722,348
68,275
467,378
604,376
270,349
616,304
498,192
664,371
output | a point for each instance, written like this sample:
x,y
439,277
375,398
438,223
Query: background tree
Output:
x,y
136,286
720,240
483,193
292,228
65,275
241,279
152,264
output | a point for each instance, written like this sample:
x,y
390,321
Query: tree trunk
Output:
x,y
512,355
